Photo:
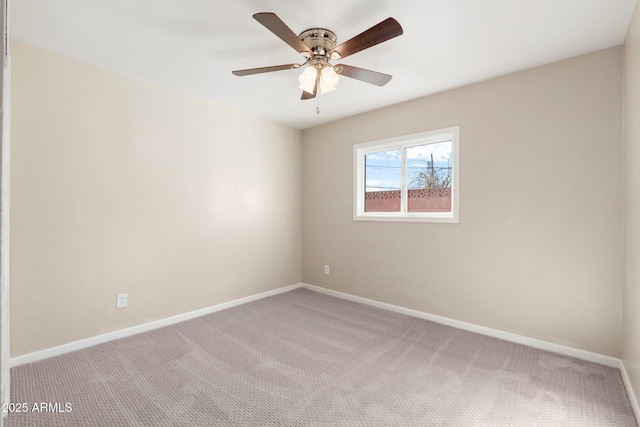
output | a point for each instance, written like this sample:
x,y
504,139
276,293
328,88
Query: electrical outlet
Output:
x,y
121,300
327,270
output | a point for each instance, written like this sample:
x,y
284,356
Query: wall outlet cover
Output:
x,y
121,300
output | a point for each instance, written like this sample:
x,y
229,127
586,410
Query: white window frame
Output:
x,y
403,142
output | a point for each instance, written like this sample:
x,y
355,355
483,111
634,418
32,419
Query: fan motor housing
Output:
x,y
319,40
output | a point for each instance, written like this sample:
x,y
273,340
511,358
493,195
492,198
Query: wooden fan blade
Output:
x,y
250,71
280,29
385,30
373,77
307,95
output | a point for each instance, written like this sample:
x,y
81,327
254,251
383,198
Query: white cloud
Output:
x,y
441,152
390,156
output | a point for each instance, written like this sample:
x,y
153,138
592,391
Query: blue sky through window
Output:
x,y
383,169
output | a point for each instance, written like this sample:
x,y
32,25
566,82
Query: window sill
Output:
x,y
407,217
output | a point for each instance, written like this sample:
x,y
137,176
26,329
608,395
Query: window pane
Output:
x,y
383,173
429,177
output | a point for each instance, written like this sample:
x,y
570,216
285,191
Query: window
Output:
x,y
408,178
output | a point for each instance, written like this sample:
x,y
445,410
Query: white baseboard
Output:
x,y
496,333
630,391
122,333
520,339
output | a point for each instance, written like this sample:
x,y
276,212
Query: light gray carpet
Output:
x,y
307,359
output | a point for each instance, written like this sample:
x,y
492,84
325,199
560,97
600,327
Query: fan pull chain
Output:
x,y
318,105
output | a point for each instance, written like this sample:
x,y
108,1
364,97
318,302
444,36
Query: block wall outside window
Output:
x,y
425,200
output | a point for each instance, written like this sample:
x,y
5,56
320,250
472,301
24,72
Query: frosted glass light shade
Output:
x,y
329,79
307,79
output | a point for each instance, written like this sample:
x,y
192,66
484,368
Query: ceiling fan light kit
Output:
x,y
307,79
329,79
318,47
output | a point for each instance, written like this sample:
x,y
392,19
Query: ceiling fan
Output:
x,y
318,46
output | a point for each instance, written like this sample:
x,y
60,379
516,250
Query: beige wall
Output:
x,y
122,186
631,349
538,250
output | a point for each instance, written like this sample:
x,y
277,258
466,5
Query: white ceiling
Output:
x,y
193,45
